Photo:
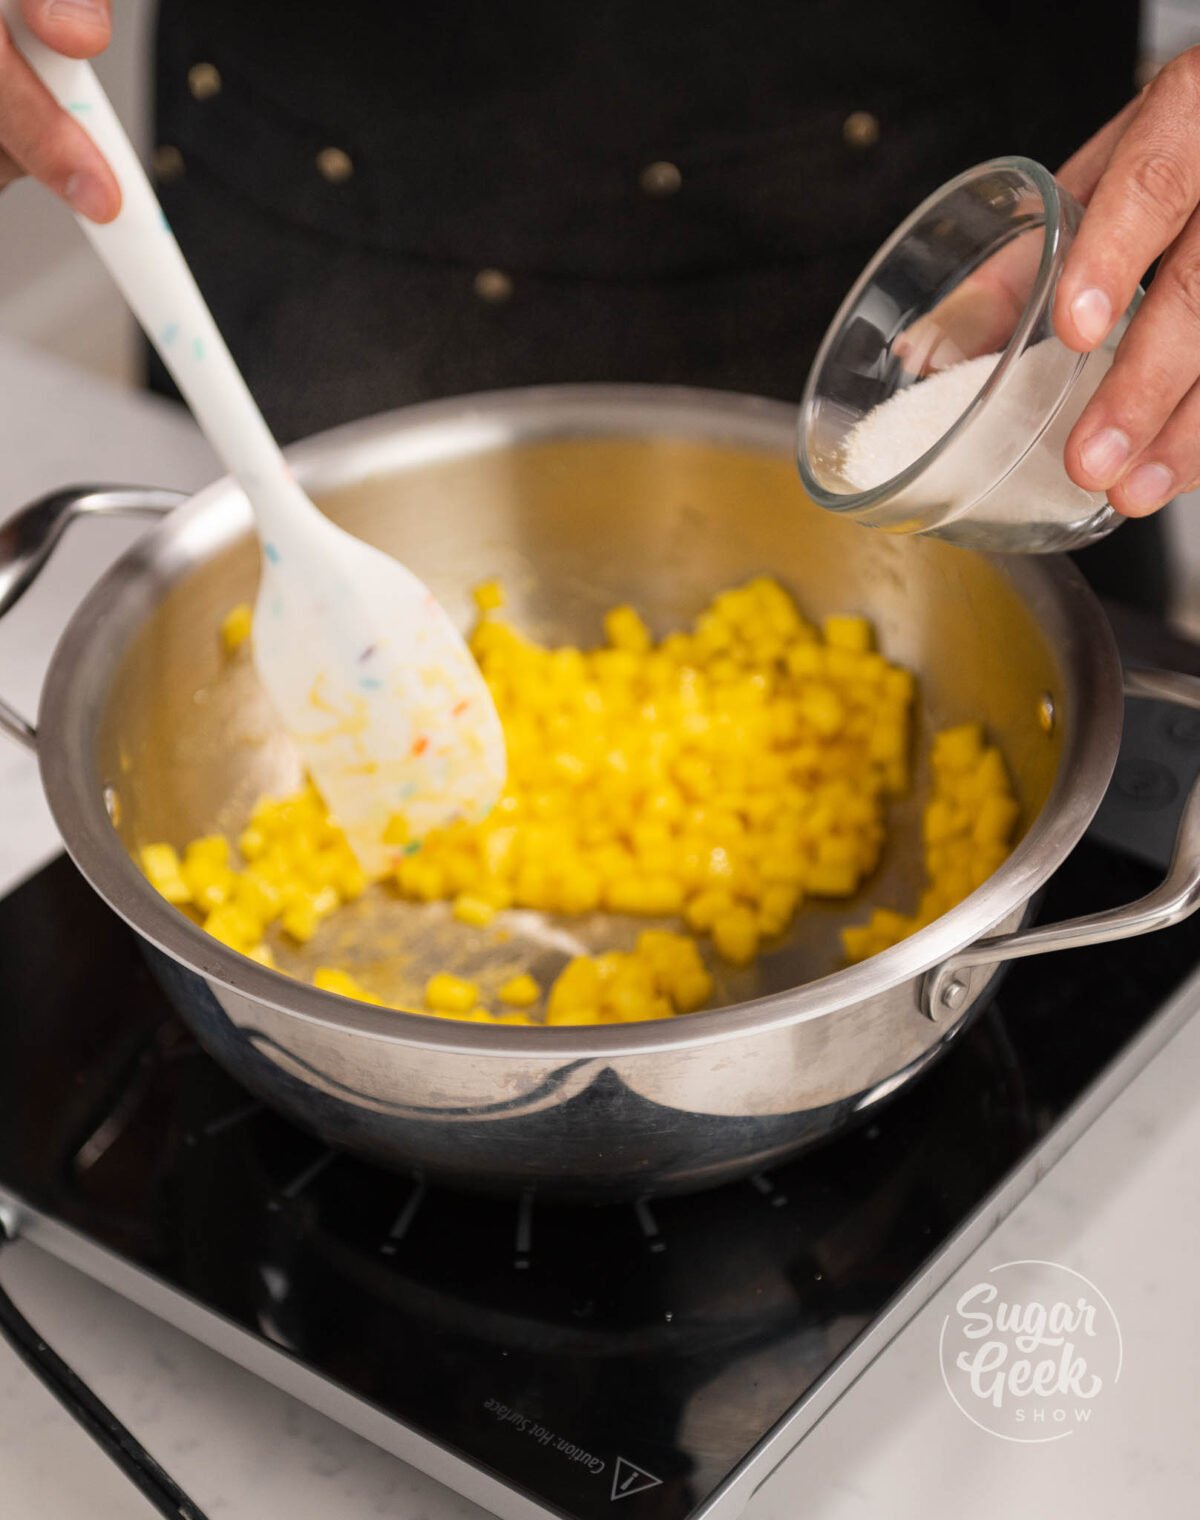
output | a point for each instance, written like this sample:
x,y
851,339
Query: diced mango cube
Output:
x,y
996,819
851,633
162,868
396,830
519,991
447,993
236,626
234,927
300,919
469,909
959,749
735,935
330,979
624,629
706,907
488,595
652,896
827,879
572,1015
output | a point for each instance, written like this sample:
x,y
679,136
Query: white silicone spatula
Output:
x,y
379,692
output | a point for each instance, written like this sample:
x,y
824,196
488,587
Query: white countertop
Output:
x,y
1123,1208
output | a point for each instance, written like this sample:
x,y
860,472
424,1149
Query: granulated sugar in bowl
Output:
x,y
941,400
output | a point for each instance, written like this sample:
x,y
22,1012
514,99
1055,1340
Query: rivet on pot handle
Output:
x,y
29,537
947,986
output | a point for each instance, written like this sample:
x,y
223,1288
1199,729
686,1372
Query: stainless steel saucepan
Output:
x,y
576,497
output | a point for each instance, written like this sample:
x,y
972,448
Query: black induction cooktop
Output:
x,y
547,1357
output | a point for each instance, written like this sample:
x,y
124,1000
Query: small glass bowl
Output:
x,y
968,279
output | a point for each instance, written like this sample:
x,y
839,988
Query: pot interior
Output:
x,y
570,525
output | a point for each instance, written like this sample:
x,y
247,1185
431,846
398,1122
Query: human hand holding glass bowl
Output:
x,y
1094,393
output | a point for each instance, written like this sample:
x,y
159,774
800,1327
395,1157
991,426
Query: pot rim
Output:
x,y
76,685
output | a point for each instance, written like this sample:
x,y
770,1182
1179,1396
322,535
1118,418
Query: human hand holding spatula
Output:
x,y
373,682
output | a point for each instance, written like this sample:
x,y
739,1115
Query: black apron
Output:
x,y
386,202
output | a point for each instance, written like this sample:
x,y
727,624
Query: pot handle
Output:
x,y
29,537
947,987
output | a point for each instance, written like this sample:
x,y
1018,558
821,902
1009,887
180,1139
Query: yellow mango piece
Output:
x,y
735,935
396,830
625,630
209,850
899,685
832,880
823,708
234,927
838,850
488,595
690,989
447,993
940,821
236,626
349,880
576,986
300,919
706,907
572,1015
330,979
859,943
996,819
991,774
655,1007
579,892
652,896
519,991
420,878
162,868
257,895
469,909
252,841
849,633
209,883
777,908
959,749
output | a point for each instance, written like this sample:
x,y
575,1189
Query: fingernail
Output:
x,y
85,195
1104,453
1148,486
85,12
1091,312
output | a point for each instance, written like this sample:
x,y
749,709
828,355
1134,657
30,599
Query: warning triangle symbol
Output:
x,y
628,1479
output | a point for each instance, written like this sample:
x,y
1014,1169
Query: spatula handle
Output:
x,y
144,259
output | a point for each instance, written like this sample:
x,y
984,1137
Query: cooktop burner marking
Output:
x,y
649,1227
301,1180
112,1126
524,1240
764,1185
234,1116
404,1218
